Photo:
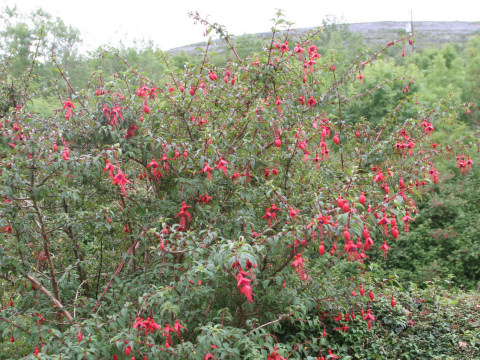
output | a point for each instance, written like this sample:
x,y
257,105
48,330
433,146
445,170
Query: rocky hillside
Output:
x,y
428,33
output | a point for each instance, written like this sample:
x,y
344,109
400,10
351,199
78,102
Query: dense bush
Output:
x,y
444,238
224,212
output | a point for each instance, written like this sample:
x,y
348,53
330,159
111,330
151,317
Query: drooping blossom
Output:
x,y
243,284
121,180
68,106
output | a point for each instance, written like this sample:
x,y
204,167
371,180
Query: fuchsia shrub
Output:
x,y
233,212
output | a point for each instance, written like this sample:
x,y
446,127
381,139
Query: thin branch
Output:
x,y
48,294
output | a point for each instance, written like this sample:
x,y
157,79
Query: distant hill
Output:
x,y
428,33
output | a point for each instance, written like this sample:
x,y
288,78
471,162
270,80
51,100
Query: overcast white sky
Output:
x,y
168,25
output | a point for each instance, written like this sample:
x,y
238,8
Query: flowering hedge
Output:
x,y
226,212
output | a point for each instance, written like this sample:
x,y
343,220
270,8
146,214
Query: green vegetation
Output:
x,y
224,204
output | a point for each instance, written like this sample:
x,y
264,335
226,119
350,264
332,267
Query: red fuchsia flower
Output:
x,y
321,248
207,169
340,202
368,243
433,173
351,250
384,221
362,199
394,232
115,114
121,180
283,47
153,164
106,111
146,109
274,171
235,176
212,75
79,335
278,142
142,92
279,103
336,139
166,332
274,355
131,131
362,256
65,153
209,356
343,328
331,355
379,177
385,248
358,244
362,291
152,325
243,284
182,214
68,105
273,210
204,199
203,87
221,165
360,77
323,220
55,147
311,102
177,327
298,50
301,99
139,323
406,219
312,49
299,267
165,162
392,302
385,188
308,65
7,229
268,217
369,318
99,92
293,213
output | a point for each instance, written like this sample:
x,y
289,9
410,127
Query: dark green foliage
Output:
x,y
443,241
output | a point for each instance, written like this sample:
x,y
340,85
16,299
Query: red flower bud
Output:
x,y
362,198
